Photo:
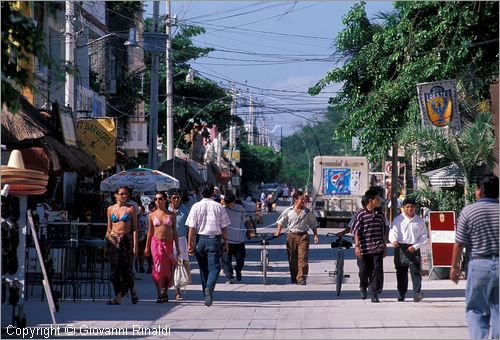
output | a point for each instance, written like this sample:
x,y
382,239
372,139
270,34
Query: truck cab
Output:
x,y
339,182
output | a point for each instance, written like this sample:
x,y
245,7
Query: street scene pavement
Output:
x,y
249,309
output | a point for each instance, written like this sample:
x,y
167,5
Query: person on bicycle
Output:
x,y
370,245
299,220
408,234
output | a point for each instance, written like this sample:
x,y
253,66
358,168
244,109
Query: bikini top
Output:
x,y
157,222
115,218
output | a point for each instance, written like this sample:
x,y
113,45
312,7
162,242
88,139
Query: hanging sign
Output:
x,y
438,104
97,136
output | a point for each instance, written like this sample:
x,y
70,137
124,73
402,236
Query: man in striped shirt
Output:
x,y
370,242
478,231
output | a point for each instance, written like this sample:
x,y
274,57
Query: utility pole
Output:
x,y
232,132
253,128
169,102
394,181
153,113
70,51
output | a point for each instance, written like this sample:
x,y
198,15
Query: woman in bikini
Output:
x,y
162,235
121,237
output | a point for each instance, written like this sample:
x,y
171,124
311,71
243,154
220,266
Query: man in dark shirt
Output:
x,y
370,241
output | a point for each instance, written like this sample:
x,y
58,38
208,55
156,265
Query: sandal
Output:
x,y
159,300
113,302
164,297
179,297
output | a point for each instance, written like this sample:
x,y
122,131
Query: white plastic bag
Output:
x,y
182,274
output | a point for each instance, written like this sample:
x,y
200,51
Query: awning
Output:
x,y
25,129
189,178
213,173
446,177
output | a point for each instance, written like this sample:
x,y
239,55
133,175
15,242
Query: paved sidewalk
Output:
x,y
248,309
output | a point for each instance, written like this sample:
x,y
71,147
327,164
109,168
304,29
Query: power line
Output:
x,y
260,31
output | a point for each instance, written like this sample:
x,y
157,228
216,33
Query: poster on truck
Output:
x,y
337,181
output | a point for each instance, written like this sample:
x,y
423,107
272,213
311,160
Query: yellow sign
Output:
x,y
438,104
235,155
97,136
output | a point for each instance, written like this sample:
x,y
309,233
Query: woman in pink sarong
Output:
x,y
162,235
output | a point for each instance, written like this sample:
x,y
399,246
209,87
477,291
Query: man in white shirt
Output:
x,y
408,234
208,221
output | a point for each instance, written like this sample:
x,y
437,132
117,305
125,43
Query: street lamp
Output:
x,y
190,76
132,42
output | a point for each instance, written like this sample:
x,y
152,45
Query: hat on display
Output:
x,y
22,181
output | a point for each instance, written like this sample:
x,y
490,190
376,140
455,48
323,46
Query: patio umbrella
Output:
x,y
140,180
446,177
189,178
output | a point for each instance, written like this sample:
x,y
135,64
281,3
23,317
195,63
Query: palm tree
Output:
x,y
471,147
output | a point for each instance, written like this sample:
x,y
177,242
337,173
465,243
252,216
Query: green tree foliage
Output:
x,y
472,147
21,40
260,163
202,103
445,199
381,63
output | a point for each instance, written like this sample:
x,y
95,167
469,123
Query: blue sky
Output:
x,y
272,50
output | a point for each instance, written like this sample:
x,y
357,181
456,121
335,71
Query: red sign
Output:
x,y
442,235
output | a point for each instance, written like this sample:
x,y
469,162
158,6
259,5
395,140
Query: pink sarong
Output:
x,y
163,261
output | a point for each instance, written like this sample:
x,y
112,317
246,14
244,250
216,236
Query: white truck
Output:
x,y
339,182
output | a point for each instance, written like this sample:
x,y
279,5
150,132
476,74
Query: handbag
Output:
x,y
182,273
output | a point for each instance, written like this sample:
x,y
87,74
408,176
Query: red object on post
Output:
x,y
442,226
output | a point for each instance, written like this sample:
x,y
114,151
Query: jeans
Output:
x,y
481,295
239,252
208,255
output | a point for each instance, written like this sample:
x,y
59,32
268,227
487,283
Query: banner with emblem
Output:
x,y
97,136
438,104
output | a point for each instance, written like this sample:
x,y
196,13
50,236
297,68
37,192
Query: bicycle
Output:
x,y
264,255
341,245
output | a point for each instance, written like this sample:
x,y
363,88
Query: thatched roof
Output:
x,y
20,126
70,158
26,129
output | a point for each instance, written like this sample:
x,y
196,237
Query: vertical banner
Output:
x,y
438,104
97,136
